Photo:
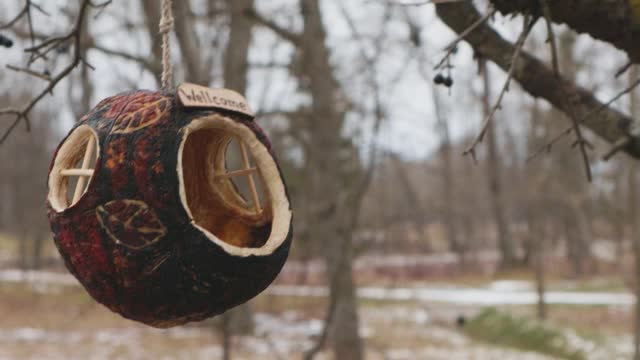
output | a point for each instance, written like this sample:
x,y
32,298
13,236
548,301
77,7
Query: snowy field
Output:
x,y
50,317
494,294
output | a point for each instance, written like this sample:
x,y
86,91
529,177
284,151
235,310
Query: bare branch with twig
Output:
x,y
42,76
25,12
624,69
529,22
582,144
451,48
551,38
547,147
286,34
74,35
617,147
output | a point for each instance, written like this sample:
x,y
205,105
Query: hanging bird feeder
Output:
x,y
151,217
156,214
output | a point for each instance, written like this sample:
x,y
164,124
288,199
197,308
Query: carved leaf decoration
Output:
x,y
142,111
130,223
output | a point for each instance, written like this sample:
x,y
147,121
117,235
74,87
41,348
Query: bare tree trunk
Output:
x,y
87,86
226,337
471,239
414,208
36,251
151,10
450,214
635,242
537,133
635,225
83,105
24,261
538,233
470,247
343,330
540,281
573,243
577,235
584,239
535,243
494,169
195,70
236,61
334,163
617,219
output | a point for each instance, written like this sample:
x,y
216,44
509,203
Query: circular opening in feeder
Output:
x,y
73,167
231,187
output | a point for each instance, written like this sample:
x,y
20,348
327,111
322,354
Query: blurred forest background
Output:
x,y
404,247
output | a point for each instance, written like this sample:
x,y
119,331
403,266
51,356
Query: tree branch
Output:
x,y
538,80
551,38
24,12
451,48
74,35
271,25
610,21
153,66
526,29
627,140
195,69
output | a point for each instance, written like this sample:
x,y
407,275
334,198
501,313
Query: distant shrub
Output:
x,y
504,329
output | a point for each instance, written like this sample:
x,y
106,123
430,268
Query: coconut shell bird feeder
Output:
x,y
150,214
169,206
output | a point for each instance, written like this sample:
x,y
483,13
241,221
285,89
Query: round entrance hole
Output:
x,y
231,187
72,169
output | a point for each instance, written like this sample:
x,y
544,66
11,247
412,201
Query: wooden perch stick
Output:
x,y
82,180
237,173
252,183
77,172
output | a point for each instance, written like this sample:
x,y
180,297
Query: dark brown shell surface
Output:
x,y
129,240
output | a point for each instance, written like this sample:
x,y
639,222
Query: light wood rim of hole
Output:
x,y
84,172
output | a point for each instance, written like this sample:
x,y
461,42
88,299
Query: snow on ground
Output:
x,y
497,293
31,276
466,296
286,335
613,348
278,337
465,352
128,343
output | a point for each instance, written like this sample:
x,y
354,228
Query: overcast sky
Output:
x,y
409,129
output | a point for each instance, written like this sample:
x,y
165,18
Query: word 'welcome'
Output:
x,y
192,95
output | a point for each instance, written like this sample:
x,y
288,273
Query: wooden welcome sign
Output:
x,y
155,228
196,96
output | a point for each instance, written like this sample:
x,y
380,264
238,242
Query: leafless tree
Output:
x,y
635,222
614,25
494,177
448,184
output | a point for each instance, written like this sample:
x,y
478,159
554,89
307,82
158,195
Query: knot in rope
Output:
x,y
166,24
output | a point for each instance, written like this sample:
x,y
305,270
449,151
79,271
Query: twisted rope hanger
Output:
x,y
165,28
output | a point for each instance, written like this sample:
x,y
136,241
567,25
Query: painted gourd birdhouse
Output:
x,y
169,207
